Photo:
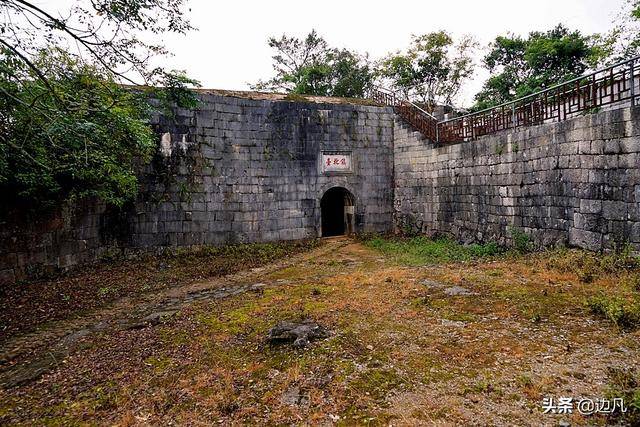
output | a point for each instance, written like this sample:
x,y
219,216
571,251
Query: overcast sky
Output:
x,y
229,48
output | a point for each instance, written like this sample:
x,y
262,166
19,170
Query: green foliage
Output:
x,y
311,67
521,66
623,312
351,75
68,128
633,280
521,241
112,35
432,70
624,39
589,265
77,135
484,250
174,91
624,383
422,250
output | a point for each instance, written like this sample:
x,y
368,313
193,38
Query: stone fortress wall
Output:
x,y
575,183
237,169
244,168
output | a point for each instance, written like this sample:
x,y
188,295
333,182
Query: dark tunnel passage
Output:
x,y
337,210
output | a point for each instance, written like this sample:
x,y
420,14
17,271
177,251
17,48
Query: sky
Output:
x,y
229,48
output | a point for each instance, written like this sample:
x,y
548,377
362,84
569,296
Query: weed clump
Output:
x,y
588,266
296,97
521,241
485,250
624,383
634,282
622,312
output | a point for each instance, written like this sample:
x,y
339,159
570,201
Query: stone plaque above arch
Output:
x,y
336,162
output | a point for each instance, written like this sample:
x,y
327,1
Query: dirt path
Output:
x,y
466,343
26,357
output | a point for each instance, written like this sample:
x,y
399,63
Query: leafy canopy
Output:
x,y
432,70
624,38
80,141
310,67
521,66
68,127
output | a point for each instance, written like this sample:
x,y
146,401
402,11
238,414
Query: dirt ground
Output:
x,y
462,343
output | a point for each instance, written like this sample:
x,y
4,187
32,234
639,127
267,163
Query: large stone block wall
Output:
x,y
245,170
575,182
234,170
40,243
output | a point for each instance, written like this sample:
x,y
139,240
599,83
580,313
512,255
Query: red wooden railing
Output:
x,y
422,121
616,84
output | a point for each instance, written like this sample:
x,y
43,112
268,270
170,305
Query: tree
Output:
x,y
624,39
351,74
432,70
72,147
310,67
522,66
107,33
69,128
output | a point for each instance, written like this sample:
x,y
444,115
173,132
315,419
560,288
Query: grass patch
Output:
x,y
390,358
623,312
535,303
624,383
616,275
589,266
376,383
296,97
422,250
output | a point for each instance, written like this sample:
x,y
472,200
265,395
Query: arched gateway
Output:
x,y
337,210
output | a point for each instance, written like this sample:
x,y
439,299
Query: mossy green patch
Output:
x,y
293,272
422,250
159,364
623,312
376,383
536,302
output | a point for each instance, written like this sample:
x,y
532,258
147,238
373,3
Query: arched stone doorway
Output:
x,y
337,212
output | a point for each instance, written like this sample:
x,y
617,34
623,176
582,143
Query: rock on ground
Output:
x,y
301,333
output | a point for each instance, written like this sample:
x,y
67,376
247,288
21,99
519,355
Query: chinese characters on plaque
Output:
x,y
336,162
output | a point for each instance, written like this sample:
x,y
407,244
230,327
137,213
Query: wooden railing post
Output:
x,y
633,82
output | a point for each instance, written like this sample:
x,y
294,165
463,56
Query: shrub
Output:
x,y
486,249
521,241
622,312
76,134
634,282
